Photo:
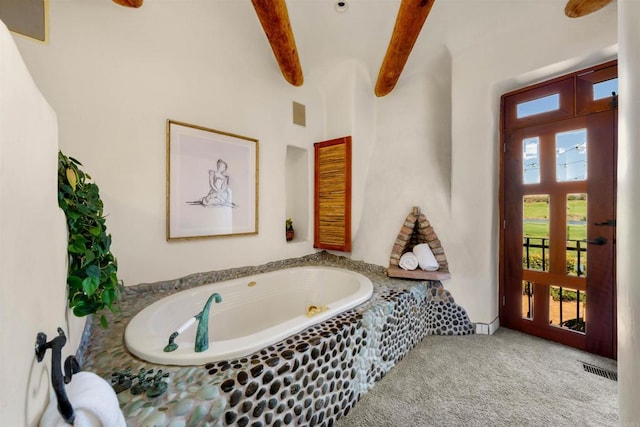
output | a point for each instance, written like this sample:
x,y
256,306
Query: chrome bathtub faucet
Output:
x,y
202,333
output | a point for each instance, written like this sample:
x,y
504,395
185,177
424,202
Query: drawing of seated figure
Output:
x,y
219,191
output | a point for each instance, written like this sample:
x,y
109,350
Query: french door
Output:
x,y
558,215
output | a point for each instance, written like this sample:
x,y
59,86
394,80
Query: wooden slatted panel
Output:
x,y
332,223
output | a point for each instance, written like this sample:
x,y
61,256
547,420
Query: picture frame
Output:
x,y
27,18
212,183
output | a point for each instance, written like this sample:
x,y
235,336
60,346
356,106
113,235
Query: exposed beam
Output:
x,y
129,3
578,8
411,17
274,18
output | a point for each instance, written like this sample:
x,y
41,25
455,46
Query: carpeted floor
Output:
x,y
507,379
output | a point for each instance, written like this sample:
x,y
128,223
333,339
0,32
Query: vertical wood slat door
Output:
x,y
332,195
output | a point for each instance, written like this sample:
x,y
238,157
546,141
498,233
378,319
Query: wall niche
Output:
x,y
297,191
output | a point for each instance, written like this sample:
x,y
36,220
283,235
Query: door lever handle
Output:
x,y
597,241
609,222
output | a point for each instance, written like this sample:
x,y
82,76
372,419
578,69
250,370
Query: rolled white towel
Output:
x,y
94,403
408,261
426,260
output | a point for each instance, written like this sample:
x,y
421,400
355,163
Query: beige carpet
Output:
x,y
507,379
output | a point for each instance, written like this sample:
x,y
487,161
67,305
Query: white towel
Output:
x,y
426,260
408,261
94,403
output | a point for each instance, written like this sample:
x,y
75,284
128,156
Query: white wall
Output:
x,y
409,164
350,110
33,244
115,75
628,207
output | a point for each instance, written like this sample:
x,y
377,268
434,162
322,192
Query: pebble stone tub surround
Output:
x,y
311,378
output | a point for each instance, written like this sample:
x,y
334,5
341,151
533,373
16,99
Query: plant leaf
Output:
x,y
82,308
90,285
108,297
93,271
75,161
89,257
74,282
72,178
103,322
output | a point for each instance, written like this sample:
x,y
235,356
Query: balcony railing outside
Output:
x,y
535,257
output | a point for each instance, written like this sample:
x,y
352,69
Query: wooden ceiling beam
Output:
x,y
274,18
578,8
411,16
129,3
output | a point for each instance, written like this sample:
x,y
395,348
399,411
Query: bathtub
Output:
x,y
255,312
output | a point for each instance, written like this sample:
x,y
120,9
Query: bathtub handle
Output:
x,y
171,345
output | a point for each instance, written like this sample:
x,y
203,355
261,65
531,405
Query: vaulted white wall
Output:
x,y
350,109
409,164
115,75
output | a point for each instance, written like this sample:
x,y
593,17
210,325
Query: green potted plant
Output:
x,y
289,231
92,273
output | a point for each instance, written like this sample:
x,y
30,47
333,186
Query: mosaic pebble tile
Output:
x,y
314,377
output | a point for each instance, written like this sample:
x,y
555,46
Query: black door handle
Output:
x,y
597,241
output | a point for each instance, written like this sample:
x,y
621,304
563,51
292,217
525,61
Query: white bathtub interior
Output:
x,y
249,317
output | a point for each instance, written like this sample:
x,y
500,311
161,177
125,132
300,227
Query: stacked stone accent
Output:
x,y
416,229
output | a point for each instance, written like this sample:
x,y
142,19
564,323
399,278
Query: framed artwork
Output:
x,y
212,183
29,18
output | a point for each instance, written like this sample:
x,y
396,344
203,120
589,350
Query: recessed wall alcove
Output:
x,y
417,229
297,191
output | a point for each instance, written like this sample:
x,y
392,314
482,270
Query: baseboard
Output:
x,y
488,328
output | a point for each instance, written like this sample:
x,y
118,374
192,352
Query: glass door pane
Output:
x,y
571,155
567,308
577,234
531,160
527,300
535,226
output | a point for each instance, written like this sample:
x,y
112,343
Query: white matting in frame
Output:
x,y
212,182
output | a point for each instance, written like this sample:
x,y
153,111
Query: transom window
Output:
x,y
537,106
569,96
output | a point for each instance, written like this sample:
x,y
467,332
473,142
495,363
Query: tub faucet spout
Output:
x,y
202,333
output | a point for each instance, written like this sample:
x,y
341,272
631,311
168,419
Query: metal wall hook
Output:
x,y
71,366
57,379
